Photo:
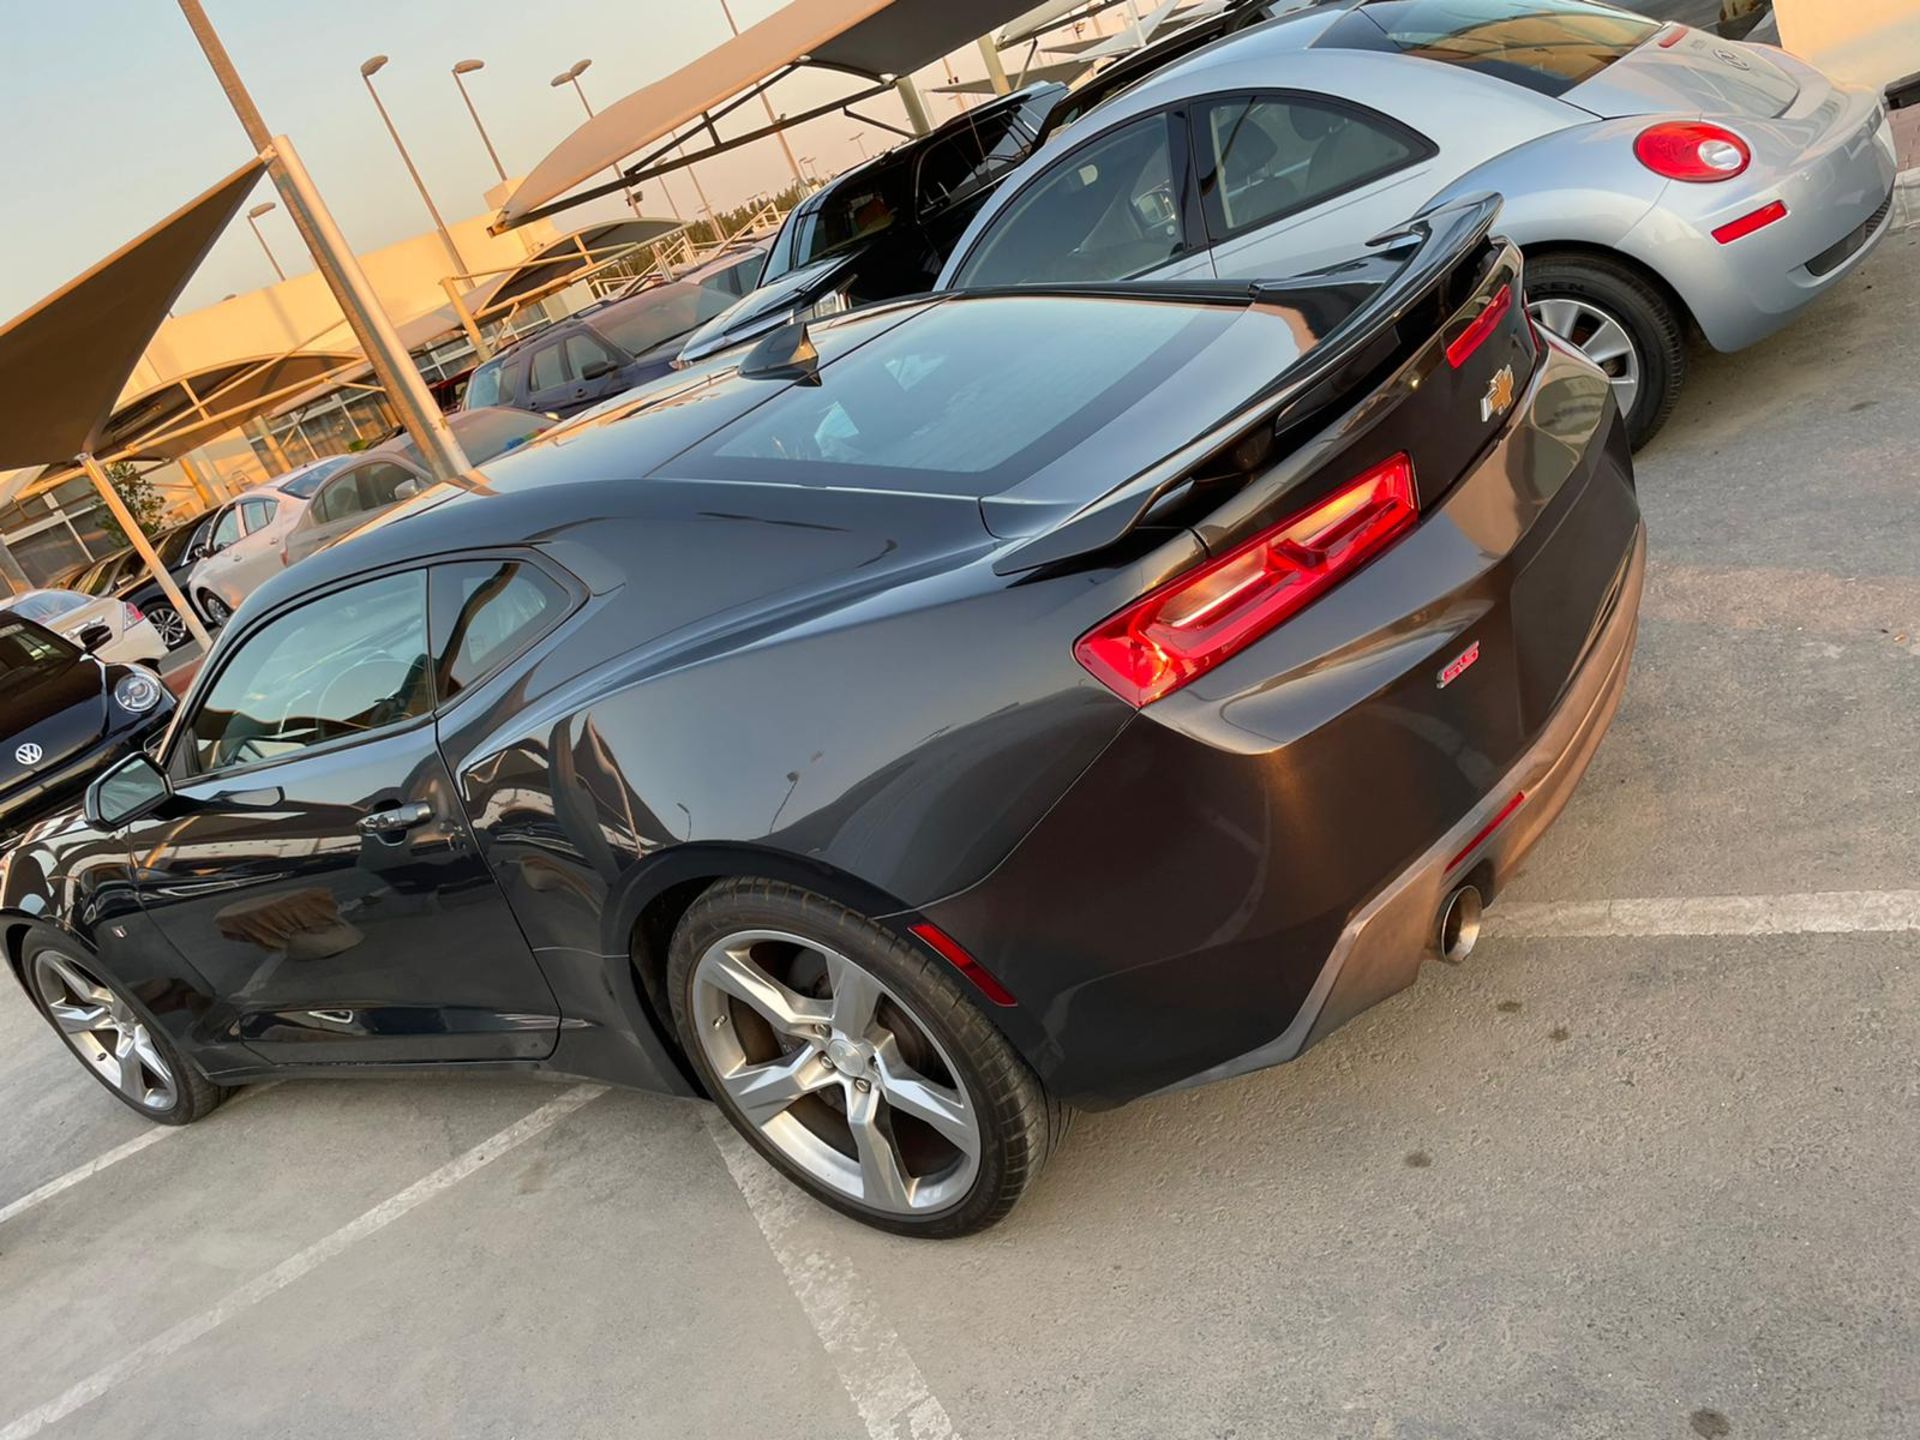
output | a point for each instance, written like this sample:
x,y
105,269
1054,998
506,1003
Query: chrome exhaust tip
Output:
x,y
1460,924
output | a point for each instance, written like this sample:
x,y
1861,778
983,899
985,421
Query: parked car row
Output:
x,y
1105,674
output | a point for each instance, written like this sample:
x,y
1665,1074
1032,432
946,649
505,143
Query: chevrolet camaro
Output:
x,y
926,722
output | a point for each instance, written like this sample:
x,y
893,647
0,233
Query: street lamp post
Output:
x,y
579,68
253,220
571,76
767,105
467,67
367,72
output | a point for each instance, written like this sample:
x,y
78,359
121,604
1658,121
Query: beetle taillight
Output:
x,y
1186,627
1695,151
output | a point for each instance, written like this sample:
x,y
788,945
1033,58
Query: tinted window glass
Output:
x,y
863,204
960,164
483,388
1272,155
340,499
172,547
346,664
584,351
485,612
483,434
1546,45
226,529
1106,212
661,313
906,408
387,484
257,513
549,369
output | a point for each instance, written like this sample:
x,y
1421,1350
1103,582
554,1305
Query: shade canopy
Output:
x,y
872,39
64,362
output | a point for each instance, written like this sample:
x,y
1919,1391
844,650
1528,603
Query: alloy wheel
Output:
x,y
104,1031
172,629
215,609
835,1071
1598,336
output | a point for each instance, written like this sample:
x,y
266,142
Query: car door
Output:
x,y
385,484
550,377
339,506
1290,181
255,559
1119,206
314,862
598,368
216,567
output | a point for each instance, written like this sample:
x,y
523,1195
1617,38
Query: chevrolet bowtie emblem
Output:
x,y
1499,397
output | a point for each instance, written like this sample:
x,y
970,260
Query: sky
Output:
x,y
110,117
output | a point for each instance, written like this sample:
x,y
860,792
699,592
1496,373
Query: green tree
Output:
x,y
138,495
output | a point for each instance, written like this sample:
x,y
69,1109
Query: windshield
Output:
x,y
310,479
485,434
484,387
659,314
1548,46
904,411
27,652
46,604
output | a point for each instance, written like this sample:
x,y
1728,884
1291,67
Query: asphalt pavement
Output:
x,y
1645,1166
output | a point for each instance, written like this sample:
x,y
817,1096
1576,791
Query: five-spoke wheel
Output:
x,y
855,1061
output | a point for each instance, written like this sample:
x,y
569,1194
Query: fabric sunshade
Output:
x,y
874,38
65,361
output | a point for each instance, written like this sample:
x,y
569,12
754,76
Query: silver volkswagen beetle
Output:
x,y
1658,177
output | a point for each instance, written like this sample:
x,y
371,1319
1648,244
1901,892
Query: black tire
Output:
x,y
1641,309
1018,1122
213,609
165,618
192,1096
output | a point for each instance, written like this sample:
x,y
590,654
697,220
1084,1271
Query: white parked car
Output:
x,y
243,546
104,626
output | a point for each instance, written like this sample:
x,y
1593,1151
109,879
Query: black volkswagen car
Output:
x,y
883,229
65,716
960,710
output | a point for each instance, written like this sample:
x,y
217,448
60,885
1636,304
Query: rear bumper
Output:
x,y
1380,950
1838,193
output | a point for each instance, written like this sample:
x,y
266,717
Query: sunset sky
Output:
x,y
112,118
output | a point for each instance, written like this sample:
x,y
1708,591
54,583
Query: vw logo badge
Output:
x,y
28,754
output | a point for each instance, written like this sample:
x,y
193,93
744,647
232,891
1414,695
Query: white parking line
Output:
x,y
112,1157
284,1274
887,1388
1830,912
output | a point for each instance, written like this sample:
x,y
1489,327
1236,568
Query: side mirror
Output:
x,y
93,637
197,551
597,369
126,792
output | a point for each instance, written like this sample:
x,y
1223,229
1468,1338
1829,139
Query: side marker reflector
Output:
x,y
948,949
1759,220
1506,814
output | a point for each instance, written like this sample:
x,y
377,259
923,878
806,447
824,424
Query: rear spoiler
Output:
x,y
1435,242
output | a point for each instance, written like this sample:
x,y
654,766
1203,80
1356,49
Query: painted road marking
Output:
x,y
112,1157
1830,912
288,1271
887,1388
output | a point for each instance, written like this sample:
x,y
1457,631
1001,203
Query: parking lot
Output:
x,y
1643,1166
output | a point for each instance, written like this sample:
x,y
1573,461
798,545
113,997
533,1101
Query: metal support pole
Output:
x,y
209,497
137,538
263,432
413,403
996,72
11,575
917,118
467,322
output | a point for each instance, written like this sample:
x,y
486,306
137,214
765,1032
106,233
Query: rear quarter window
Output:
x,y
1548,46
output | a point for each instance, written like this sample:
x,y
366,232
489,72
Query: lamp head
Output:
x,y
373,67
257,211
467,67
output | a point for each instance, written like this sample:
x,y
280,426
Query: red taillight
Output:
x,y
1484,324
1673,37
1186,627
1692,150
134,617
1747,224
949,949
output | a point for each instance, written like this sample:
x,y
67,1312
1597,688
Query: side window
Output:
x,y
348,663
341,497
549,369
226,529
1270,156
387,484
1108,211
584,351
257,513
484,613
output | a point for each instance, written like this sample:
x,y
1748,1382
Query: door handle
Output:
x,y
397,820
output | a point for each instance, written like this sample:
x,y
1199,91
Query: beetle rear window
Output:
x,y
1548,46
